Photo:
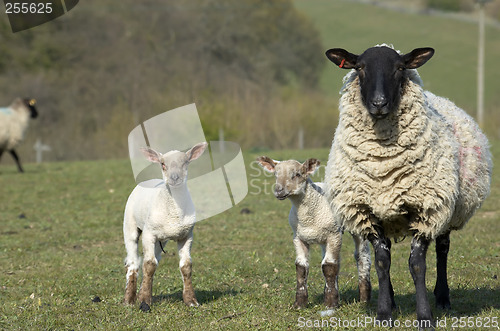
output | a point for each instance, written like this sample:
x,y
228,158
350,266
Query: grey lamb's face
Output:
x,y
381,72
291,175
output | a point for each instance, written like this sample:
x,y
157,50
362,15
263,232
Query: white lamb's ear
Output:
x,y
151,154
267,163
196,151
310,166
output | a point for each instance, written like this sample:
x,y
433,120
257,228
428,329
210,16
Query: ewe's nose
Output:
x,y
174,178
379,101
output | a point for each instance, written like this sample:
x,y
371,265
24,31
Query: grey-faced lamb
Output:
x,y
312,222
14,121
403,162
164,212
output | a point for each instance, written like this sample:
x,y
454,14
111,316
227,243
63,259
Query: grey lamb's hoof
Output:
x,y
144,307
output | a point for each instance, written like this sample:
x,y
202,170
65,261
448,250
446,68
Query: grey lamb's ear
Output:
x,y
196,151
310,166
418,57
267,163
151,154
342,58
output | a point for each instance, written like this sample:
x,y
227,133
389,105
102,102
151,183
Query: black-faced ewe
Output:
x,y
312,222
165,212
403,162
14,121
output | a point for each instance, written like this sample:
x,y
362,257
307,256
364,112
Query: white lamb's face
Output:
x,y
174,167
174,164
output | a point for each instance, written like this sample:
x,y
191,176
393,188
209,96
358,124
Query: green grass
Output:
x,y
61,245
451,73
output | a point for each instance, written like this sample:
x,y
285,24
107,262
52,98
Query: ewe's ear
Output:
x,y
196,151
267,163
418,57
342,58
310,166
151,154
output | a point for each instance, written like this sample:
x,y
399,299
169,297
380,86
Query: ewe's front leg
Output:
x,y
442,291
385,303
330,267
417,265
185,265
363,262
302,270
148,269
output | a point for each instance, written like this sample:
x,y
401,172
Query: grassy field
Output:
x,y
61,246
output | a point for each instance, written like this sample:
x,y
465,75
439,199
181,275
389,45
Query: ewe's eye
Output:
x,y
296,175
401,68
163,166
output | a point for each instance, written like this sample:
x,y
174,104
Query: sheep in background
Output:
x,y
13,124
312,222
165,212
403,161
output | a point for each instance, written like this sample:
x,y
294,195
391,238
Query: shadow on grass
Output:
x,y
203,296
464,302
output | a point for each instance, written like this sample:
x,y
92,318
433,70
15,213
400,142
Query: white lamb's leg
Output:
x,y
148,268
363,261
330,267
302,270
159,250
131,236
185,265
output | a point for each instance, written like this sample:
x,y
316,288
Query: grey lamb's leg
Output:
x,y
382,248
16,158
442,291
302,271
417,265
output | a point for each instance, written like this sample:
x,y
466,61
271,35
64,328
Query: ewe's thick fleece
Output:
x,y
426,168
13,124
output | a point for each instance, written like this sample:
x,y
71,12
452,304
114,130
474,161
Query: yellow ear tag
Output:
x,y
32,102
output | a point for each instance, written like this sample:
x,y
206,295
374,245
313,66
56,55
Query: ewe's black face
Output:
x,y
381,72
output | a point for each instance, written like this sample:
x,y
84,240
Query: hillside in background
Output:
x,y
452,72
100,70
255,68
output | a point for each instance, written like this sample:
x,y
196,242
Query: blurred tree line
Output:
x,y
251,66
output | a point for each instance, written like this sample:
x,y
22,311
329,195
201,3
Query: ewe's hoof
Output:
x,y
443,303
385,320
144,307
425,325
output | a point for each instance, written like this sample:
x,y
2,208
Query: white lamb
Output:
x,y
312,222
14,121
165,212
403,161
